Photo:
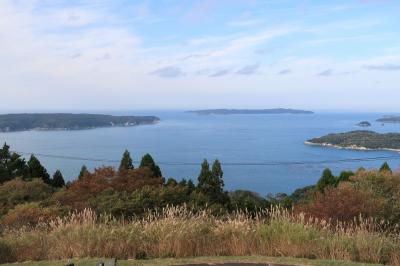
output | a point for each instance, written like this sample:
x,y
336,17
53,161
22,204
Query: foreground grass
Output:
x,y
208,260
178,233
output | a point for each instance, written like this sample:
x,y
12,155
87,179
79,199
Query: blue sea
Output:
x,y
181,141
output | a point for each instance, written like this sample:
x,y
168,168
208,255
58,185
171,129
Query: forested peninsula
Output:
x,y
248,111
66,121
359,140
389,119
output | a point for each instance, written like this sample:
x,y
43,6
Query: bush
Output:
x,y
343,203
247,200
18,191
28,214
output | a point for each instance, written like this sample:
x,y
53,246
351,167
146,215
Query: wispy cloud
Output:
x,y
284,71
220,73
331,72
248,70
325,73
245,23
384,67
168,72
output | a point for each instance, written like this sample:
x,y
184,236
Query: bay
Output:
x,y
182,140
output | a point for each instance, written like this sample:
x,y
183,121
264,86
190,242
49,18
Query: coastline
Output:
x,y
83,128
352,147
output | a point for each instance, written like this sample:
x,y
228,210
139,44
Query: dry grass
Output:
x,y
177,232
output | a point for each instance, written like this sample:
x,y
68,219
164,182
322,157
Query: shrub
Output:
x,y
28,214
18,191
343,203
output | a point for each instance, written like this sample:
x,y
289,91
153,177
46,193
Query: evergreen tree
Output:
x,y
147,161
58,179
345,176
126,161
84,171
327,179
210,183
218,174
36,170
11,165
204,177
385,167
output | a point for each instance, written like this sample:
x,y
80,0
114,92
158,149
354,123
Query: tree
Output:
x,y
84,171
385,167
58,179
345,176
126,161
327,179
210,183
218,174
190,186
171,182
36,170
147,161
11,165
247,200
204,177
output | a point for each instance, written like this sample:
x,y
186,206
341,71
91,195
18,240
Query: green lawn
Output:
x,y
211,260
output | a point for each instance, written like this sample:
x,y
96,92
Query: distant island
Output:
x,y
65,121
389,119
359,140
364,124
248,111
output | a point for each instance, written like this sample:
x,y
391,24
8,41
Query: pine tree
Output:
x,y
58,179
11,165
84,171
36,170
210,182
218,174
126,162
147,161
327,179
385,167
204,177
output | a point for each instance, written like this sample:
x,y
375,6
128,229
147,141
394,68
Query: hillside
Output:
x,y
65,121
361,139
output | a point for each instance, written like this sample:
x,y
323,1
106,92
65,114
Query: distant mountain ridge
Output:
x,y
249,111
67,121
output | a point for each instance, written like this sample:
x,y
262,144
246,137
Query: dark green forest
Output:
x,y
21,122
361,138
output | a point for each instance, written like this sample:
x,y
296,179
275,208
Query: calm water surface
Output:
x,y
189,138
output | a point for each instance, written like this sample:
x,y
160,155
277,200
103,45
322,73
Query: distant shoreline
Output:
x,y
69,122
248,111
351,147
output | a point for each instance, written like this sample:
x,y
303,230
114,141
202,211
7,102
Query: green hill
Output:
x,y
65,121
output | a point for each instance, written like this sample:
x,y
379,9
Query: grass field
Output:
x,y
178,233
210,260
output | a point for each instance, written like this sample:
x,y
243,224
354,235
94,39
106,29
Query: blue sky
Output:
x,y
166,54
